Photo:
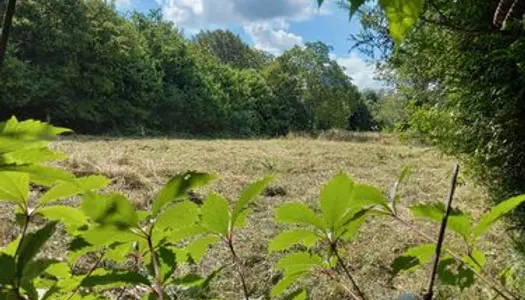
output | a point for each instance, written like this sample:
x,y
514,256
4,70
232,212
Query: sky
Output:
x,y
270,25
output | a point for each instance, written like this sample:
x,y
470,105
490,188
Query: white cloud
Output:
x,y
266,21
272,37
122,3
361,72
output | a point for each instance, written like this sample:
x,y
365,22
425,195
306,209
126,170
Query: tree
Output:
x,y
230,49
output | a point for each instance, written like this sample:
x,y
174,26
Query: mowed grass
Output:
x,y
138,167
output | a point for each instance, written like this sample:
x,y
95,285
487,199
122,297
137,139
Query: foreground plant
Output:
x,y
344,206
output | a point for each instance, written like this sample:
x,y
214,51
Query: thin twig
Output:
x,y
347,272
498,288
441,237
6,28
91,270
238,269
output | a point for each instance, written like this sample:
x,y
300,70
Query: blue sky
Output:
x,y
270,25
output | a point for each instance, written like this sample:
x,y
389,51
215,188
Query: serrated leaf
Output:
x,y
14,187
476,260
413,258
113,209
196,249
402,15
118,252
36,267
179,215
496,213
287,239
336,198
41,175
74,187
15,135
450,272
298,263
32,243
283,284
298,213
215,215
7,275
71,217
249,194
177,188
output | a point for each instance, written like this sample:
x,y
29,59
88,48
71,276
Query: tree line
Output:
x,y
81,64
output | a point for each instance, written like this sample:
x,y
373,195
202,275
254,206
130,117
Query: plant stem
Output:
x,y
238,268
347,272
441,237
27,219
91,270
156,269
498,288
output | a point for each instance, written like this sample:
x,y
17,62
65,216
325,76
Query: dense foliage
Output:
x,y
149,249
462,82
81,64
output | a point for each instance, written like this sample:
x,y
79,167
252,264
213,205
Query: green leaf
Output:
x,y
31,156
476,260
349,229
249,194
196,249
184,233
118,252
394,197
457,221
355,5
298,263
71,217
98,236
14,187
413,258
36,267
177,188
7,275
59,270
299,294
74,187
32,243
336,198
189,280
298,213
450,272
241,218
287,239
365,195
41,175
113,209
402,15
215,215
496,213
284,283
179,215
115,279
167,261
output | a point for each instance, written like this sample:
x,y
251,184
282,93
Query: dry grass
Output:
x,y
138,168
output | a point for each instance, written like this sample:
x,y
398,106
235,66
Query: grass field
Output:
x,y
139,166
